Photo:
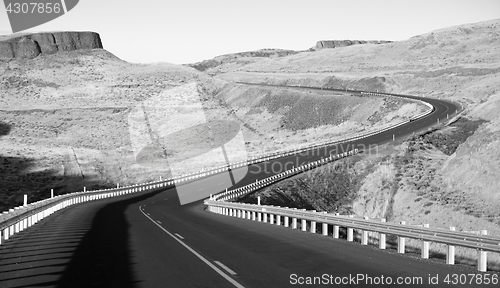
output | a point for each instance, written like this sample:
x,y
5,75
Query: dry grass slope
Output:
x,y
64,119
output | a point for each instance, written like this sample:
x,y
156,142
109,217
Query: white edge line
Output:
x,y
179,236
225,268
231,280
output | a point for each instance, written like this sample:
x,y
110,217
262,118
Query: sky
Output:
x,y
188,31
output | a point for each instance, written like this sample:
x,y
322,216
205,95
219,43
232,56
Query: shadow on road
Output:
x,y
86,245
103,257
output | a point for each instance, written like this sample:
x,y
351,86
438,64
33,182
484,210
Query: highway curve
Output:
x,y
150,240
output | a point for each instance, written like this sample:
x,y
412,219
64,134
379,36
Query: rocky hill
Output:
x,y
31,45
324,44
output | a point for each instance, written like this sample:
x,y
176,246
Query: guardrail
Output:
x,y
282,215
20,218
482,243
230,194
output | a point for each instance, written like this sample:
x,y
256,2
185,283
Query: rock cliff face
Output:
x,y
342,43
31,45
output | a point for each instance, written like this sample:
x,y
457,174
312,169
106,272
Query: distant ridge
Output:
x,y
242,57
325,44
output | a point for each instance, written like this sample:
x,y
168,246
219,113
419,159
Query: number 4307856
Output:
x,y
34,8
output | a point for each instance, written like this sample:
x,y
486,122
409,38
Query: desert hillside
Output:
x,y
448,177
64,120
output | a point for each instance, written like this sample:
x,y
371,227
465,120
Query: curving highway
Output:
x,y
150,240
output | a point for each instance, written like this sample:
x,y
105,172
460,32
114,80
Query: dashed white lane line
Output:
x,y
225,268
158,221
221,273
148,214
179,236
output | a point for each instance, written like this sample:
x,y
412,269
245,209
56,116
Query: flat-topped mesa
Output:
x,y
31,45
324,44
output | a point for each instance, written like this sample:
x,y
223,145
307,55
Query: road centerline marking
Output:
x,y
221,273
225,268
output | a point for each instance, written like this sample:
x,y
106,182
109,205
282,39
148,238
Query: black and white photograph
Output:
x,y
234,143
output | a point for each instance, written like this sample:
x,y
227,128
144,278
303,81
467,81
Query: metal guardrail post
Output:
x,y
303,225
324,229
294,223
350,234
482,257
425,247
364,237
336,229
450,252
313,227
381,237
285,221
401,242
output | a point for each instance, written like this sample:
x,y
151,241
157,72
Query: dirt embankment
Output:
x,y
282,118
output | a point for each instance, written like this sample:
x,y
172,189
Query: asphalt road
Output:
x,y
150,240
